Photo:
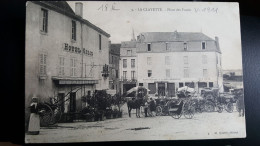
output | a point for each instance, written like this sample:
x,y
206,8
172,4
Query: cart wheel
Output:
x,y
229,107
158,111
209,107
189,113
46,114
175,115
219,109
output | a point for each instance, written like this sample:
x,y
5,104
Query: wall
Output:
x,y
52,43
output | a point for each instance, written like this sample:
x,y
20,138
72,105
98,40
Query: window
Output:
x,y
149,73
186,72
43,64
205,73
99,41
167,60
61,66
73,67
132,63
168,73
202,84
148,47
166,46
124,75
73,34
203,45
116,73
204,59
149,60
129,52
132,75
44,20
185,60
112,59
180,85
185,46
189,84
210,84
124,63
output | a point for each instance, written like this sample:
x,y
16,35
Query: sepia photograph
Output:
x,y
133,71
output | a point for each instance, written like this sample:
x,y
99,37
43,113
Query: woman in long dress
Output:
x,y
34,122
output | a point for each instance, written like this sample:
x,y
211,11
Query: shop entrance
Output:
x,y
171,89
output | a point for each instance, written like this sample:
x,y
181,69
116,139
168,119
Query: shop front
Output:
x,y
70,92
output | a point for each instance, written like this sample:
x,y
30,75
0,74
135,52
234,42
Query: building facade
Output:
x,y
128,65
114,57
169,60
65,54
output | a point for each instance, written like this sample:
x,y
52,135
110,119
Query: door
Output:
x,y
161,89
73,102
171,89
61,101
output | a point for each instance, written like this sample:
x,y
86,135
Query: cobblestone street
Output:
x,y
203,125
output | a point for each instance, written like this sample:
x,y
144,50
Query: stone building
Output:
x,y
128,65
169,60
114,58
65,54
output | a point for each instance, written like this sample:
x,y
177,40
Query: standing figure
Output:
x,y
146,104
241,106
34,122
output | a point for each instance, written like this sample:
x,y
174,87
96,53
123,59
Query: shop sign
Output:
x,y
77,50
77,82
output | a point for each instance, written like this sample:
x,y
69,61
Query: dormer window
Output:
x,y
203,45
185,46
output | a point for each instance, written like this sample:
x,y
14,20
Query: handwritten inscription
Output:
x,y
115,7
108,7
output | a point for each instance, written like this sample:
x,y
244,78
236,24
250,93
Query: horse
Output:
x,y
135,104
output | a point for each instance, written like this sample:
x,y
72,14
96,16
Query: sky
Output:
x,y
120,19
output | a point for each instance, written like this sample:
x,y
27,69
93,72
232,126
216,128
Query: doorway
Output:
x,y
161,89
73,102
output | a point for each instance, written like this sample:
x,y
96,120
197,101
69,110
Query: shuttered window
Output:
x,y
43,64
44,20
73,67
61,66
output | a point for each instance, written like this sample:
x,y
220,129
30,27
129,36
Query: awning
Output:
x,y
74,81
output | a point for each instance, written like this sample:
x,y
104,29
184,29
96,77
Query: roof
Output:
x,y
173,36
62,5
64,8
128,44
115,48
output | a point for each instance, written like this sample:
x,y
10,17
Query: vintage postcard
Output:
x,y
131,71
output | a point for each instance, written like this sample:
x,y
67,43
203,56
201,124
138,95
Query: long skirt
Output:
x,y
34,124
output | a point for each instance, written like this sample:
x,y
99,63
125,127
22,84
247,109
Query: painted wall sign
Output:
x,y
77,50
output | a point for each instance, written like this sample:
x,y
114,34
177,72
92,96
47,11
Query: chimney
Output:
x,y
216,38
79,9
217,42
